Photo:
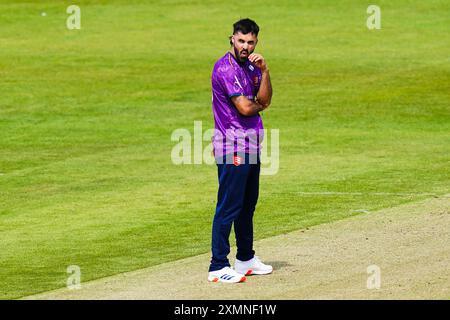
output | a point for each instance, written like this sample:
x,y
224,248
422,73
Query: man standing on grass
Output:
x,y
241,90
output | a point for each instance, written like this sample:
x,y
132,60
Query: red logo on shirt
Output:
x,y
255,80
237,160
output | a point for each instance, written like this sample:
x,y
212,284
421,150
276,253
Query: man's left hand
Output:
x,y
258,60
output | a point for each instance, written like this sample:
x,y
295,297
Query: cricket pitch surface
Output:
x,y
410,244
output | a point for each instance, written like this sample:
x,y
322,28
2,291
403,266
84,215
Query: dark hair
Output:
x,y
245,26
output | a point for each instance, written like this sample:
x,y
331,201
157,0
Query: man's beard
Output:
x,y
238,55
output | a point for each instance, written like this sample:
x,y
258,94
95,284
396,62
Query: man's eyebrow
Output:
x,y
246,41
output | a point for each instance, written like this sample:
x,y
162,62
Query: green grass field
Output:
x,y
86,118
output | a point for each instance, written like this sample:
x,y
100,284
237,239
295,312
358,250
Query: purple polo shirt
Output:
x,y
233,131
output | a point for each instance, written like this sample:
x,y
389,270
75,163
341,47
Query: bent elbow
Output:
x,y
265,105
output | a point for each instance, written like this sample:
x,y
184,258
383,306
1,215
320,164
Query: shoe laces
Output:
x,y
231,271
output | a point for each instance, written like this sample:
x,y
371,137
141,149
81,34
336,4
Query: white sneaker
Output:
x,y
227,275
252,266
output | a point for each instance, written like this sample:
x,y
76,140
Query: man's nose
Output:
x,y
245,46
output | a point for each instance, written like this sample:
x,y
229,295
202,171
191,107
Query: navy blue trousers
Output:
x,y
236,202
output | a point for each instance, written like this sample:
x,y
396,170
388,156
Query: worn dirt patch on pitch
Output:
x,y
409,243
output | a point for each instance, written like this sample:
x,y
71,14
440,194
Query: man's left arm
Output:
x,y
264,96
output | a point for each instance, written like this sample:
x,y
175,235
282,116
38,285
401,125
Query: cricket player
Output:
x,y
241,89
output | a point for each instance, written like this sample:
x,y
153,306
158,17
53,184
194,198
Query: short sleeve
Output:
x,y
231,82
